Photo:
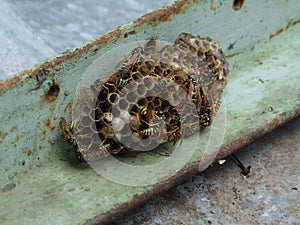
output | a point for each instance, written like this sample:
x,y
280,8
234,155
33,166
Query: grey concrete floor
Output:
x,y
32,31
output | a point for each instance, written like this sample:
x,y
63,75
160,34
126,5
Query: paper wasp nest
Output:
x,y
155,97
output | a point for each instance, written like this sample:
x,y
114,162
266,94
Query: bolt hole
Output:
x,y
237,4
52,93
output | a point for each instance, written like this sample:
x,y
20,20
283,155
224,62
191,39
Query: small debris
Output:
x,y
8,187
222,161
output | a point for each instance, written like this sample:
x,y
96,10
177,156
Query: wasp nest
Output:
x,y
155,97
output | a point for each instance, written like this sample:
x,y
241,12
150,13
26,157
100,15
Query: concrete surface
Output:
x,y
32,30
20,47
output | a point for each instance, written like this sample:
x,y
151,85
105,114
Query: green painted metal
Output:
x,y
41,184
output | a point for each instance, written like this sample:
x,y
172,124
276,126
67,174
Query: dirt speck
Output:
x,y
8,187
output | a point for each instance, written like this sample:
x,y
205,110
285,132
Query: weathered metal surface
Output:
x,y
39,180
218,195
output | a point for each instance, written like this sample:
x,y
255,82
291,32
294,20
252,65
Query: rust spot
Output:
x,y
237,4
68,107
164,14
212,5
49,193
271,36
3,134
52,108
17,138
71,190
9,83
14,128
3,219
48,124
29,152
279,31
296,22
288,25
52,93
142,160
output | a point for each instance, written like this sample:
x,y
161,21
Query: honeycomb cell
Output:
x,y
86,121
115,112
141,90
112,98
118,124
132,97
149,82
138,106
123,104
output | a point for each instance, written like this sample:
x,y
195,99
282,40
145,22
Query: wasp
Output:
x,y
67,131
169,78
113,85
87,155
142,110
68,134
173,135
152,129
149,131
159,113
132,59
105,147
195,94
121,82
206,119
